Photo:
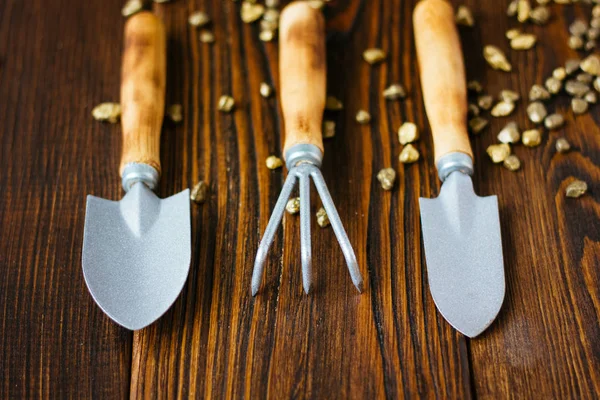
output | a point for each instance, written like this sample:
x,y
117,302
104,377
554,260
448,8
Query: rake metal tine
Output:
x,y
338,228
269,236
305,241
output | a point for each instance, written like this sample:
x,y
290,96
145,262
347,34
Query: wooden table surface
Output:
x,y
58,59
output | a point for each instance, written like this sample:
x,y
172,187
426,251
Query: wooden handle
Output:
x,y
302,66
442,76
143,77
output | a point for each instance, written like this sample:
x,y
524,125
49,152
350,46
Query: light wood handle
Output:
x,y
302,66
442,76
143,77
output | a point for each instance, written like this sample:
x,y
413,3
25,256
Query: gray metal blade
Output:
x,y
136,254
463,250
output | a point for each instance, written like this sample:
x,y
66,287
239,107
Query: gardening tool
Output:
x,y
136,252
461,231
302,66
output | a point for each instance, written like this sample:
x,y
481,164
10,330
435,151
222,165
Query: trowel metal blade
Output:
x,y
136,254
463,250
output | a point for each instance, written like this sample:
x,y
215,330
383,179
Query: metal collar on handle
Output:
x,y
456,161
139,172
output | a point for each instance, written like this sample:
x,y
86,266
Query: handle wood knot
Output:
x,y
143,77
302,65
442,76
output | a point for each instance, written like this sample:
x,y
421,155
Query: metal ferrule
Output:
x,y
456,161
139,172
303,153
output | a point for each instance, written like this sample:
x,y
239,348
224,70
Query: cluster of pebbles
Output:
x,y
578,78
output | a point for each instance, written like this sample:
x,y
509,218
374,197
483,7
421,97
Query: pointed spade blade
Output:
x,y
463,250
136,254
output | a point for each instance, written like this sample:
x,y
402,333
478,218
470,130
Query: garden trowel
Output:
x,y
136,252
461,231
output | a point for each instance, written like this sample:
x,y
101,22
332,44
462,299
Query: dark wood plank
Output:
x,y
546,341
57,60
335,342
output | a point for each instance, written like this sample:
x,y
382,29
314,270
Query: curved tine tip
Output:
x,y
338,229
269,235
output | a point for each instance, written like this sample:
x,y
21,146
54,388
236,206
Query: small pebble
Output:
x,y
251,12
578,28
576,189
512,163
597,84
553,85
408,133
474,86
132,7
464,16
503,108
572,65
198,19
394,92
333,104
584,78
593,33
575,42
562,145
199,192
266,35
554,121
317,4
513,6
226,103
512,33
531,137
207,36
409,154
523,9
538,92
374,56
589,45
265,90
328,129
293,205
540,15
559,73
496,58
579,106
485,102
591,97
387,177
591,65
472,110
510,133
363,117
536,112
523,41
322,218
175,112
498,152
576,88
509,95
477,124
273,162
109,112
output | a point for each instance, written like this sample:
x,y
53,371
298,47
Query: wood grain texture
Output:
x,y
59,59
303,69
143,81
442,76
